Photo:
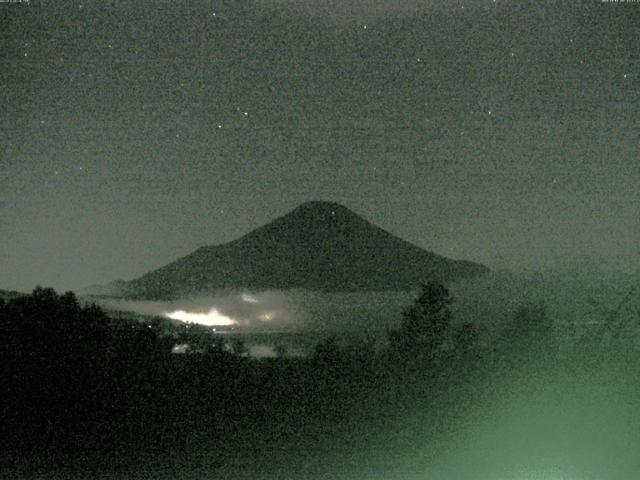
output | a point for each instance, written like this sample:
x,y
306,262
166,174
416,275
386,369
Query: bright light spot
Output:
x,y
213,317
181,348
247,297
267,316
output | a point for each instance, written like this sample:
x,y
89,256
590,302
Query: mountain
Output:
x,y
8,295
317,246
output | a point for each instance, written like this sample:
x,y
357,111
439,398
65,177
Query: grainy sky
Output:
x,y
133,132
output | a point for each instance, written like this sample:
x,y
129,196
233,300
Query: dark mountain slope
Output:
x,y
318,246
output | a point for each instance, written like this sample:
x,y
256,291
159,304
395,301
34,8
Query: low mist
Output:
x,y
572,300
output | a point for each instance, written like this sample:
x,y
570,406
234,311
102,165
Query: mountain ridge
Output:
x,y
317,246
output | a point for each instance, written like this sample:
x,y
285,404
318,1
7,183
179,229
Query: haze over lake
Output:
x,y
574,301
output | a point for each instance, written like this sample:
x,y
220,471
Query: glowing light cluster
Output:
x,y
211,318
247,297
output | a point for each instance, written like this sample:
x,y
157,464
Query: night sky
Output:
x,y
134,132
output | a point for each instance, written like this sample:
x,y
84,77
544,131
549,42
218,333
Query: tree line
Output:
x,y
69,367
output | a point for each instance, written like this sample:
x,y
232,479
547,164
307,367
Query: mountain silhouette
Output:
x,y
318,246
7,295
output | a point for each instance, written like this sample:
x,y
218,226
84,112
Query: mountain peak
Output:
x,y
318,245
310,224
321,209
320,206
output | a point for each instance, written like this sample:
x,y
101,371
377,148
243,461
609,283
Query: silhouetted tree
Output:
x,y
239,347
465,338
363,348
280,350
327,352
55,356
424,324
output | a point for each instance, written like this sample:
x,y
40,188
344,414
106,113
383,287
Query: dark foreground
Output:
x,y
122,407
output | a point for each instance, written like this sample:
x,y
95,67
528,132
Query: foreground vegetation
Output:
x,y
86,396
